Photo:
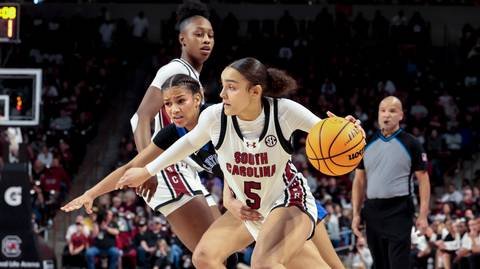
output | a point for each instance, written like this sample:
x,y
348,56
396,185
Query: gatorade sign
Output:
x,y
13,196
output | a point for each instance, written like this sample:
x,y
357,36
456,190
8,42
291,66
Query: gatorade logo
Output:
x,y
13,196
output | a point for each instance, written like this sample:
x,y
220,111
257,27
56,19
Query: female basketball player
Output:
x,y
179,194
196,41
249,132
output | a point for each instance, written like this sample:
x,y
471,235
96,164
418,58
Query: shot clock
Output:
x,y
9,22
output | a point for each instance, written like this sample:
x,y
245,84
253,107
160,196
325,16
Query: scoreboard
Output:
x,y
9,22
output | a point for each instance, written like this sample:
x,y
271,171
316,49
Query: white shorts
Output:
x,y
177,184
305,203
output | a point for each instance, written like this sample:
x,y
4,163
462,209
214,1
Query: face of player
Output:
x,y
182,106
389,116
238,96
197,39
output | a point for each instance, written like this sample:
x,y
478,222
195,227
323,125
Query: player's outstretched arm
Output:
x,y
108,183
181,149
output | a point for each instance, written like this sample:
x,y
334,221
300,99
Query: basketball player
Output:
x,y
196,39
179,196
250,134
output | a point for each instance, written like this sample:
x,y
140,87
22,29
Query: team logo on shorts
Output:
x,y
271,140
11,246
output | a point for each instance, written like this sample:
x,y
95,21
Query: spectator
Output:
x,y
104,234
106,31
474,259
140,26
463,253
62,123
452,195
419,111
398,26
447,245
333,226
418,135
328,87
362,258
77,244
161,255
144,242
46,156
73,228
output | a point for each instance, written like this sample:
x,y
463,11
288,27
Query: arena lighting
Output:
x,y
19,105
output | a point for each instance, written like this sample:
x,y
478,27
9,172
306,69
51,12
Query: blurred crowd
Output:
x,y
323,2
344,62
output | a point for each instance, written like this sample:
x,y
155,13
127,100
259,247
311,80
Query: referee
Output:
x,y
391,157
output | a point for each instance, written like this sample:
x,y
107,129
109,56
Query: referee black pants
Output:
x,y
388,226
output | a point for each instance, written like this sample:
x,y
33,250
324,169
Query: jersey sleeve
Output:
x,y
167,71
166,137
186,145
361,165
295,116
370,140
419,156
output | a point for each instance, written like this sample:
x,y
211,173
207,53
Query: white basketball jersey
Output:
x,y
176,66
260,171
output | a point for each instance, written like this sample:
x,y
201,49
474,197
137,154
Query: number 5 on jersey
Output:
x,y
254,199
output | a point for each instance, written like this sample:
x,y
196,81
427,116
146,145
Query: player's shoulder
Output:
x,y
212,110
285,104
406,137
285,101
176,66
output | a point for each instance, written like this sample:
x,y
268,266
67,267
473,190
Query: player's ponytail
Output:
x,y
274,82
279,83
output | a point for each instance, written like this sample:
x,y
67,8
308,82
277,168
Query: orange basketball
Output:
x,y
334,146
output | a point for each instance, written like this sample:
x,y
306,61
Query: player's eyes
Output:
x,y
168,104
181,101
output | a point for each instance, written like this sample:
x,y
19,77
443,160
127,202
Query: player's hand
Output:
x,y
241,211
148,188
356,226
84,200
422,224
133,178
352,119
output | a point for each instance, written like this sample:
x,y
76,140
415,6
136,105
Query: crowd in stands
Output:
x,y
345,63
78,79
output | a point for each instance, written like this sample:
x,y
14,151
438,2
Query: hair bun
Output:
x,y
280,83
190,8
